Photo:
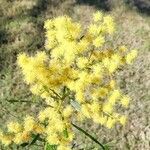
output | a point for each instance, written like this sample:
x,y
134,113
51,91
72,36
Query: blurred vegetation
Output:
x,y
142,6
105,5
21,29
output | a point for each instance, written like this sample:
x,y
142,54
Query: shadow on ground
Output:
x,y
39,8
143,6
100,4
42,6
3,36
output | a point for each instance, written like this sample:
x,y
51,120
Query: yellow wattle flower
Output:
x,y
99,41
76,78
6,139
29,123
14,127
131,56
97,16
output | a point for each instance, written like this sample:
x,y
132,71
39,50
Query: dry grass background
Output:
x,y
21,29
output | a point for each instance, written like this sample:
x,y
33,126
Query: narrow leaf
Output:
x,y
34,139
50,147
24,144
65,132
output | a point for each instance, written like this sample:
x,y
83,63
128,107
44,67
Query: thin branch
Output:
x,y
90,136
56,93
20,101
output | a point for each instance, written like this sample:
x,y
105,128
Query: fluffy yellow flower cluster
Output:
x,y
19,133
76,77
58,126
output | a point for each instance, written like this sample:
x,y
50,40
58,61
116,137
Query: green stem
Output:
x,y
88,135
34,140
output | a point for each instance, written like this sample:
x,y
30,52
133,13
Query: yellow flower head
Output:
x,y
82,62
99,41
123,120
110,122
67,112
123,48
131,56
108,108
97,16
6,139
53,139
14,127
29,123
109,23
22,137
125,101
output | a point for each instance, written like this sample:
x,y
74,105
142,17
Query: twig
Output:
x,y
88,135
